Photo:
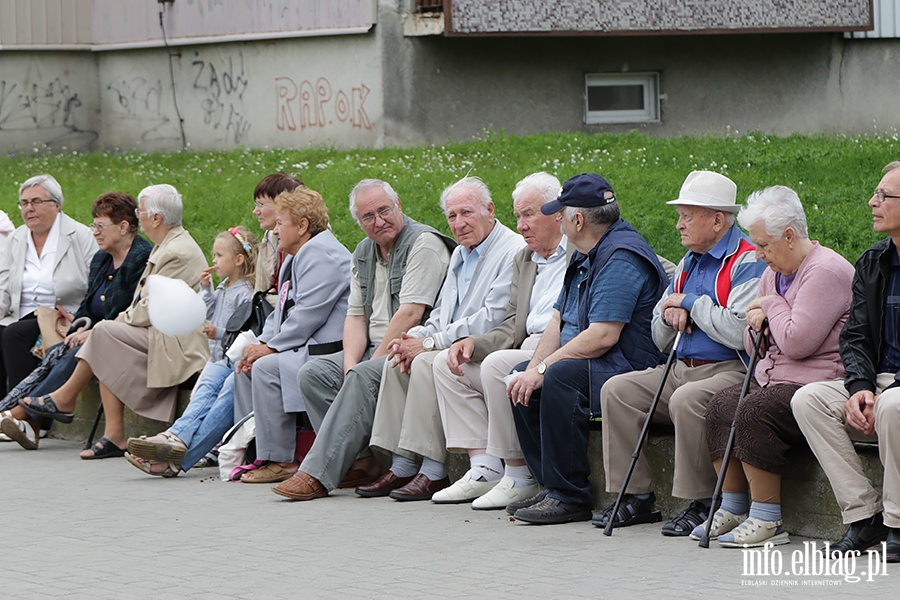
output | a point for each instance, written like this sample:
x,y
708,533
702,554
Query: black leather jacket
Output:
x,y
862,335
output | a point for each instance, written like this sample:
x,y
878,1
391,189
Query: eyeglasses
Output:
x,y
881,196
137,212
383,212
259,204
98,227
23,204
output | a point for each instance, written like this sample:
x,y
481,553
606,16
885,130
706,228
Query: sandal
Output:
x,y
3,436
172,468
20,432
45,407
271,472
172,449
103,449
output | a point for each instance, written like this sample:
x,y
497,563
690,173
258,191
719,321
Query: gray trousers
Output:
x,y
260,391
341,410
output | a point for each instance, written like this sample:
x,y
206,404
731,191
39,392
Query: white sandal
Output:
x,y
754,533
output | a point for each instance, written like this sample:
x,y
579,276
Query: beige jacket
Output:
x,y
171,360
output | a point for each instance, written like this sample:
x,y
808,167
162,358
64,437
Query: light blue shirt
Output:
x,y
464,274
547,285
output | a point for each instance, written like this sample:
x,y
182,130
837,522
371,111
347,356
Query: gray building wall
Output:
x,y
383,88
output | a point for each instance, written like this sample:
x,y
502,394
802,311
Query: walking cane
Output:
x,y
729,446
643,437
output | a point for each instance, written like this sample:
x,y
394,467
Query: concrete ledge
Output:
x,y
86,412
809,506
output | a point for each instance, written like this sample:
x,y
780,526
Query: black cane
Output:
x,y
644,432
90,440
729,446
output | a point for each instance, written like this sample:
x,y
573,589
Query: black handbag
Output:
x,y
250,315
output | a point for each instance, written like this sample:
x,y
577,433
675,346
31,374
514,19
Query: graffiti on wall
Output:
x,y
319,104
52,110
220,85
141,101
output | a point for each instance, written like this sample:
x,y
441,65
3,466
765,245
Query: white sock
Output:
x,y
402,466
485,467
432,469
521,475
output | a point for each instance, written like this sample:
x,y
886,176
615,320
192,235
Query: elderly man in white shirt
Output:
x,y
469,376
473,299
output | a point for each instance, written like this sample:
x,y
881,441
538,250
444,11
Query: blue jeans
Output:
x,y
210,412
553,430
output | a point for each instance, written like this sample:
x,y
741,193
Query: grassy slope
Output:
x,y
834,176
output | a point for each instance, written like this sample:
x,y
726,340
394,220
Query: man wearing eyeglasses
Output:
x,y
865,406
397,272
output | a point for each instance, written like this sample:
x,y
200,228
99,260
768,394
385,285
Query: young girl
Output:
x,y
210,412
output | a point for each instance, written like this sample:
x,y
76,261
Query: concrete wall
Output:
x,y
382,88
286,93
778,83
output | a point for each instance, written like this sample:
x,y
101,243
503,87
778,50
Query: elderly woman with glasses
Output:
x,y
137,365
115,272
804,294
45,263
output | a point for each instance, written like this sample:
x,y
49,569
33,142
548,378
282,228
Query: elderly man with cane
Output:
x,y
600,327
706,301
802,304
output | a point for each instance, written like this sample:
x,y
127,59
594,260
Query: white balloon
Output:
x,y
174,308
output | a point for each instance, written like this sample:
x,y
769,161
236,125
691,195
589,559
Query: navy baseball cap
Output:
x,y
587,190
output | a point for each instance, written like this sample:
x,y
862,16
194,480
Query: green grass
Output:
x,y
834,176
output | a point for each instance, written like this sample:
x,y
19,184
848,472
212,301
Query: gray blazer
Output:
x,y
318,290
74,252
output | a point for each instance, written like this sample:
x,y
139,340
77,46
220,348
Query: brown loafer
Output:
x,y
361,473
302,486
383,486
420,488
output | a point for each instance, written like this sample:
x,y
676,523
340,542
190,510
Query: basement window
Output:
x,y
621,98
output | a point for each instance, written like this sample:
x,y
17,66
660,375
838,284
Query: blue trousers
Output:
x,y
210,412
553,430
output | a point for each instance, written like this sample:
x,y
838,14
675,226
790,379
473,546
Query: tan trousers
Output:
x,y
819,410
407,419
475,411
625,400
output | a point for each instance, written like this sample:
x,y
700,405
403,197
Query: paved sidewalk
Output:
x,y
76,529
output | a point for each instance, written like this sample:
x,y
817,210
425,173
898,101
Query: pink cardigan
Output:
x,y
806,323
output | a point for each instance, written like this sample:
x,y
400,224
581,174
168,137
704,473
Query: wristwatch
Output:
x,y
428,343
541,368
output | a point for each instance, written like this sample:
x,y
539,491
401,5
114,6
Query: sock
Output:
x,y
402,466
707,502
765,511
735,502
485,467
520,475
432,469
643,496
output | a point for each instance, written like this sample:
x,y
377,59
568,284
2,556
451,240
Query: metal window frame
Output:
x,y
648,80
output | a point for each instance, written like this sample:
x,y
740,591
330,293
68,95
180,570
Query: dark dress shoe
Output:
x,y
632,511
860,535
382,486
367,471
420,488
551,511
892,552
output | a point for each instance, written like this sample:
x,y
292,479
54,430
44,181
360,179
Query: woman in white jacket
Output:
x,y
45,263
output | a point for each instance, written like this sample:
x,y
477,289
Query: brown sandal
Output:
x,y
271,472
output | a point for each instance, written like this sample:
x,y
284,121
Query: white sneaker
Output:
x,y
505,493
3,436
19,431
465,489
